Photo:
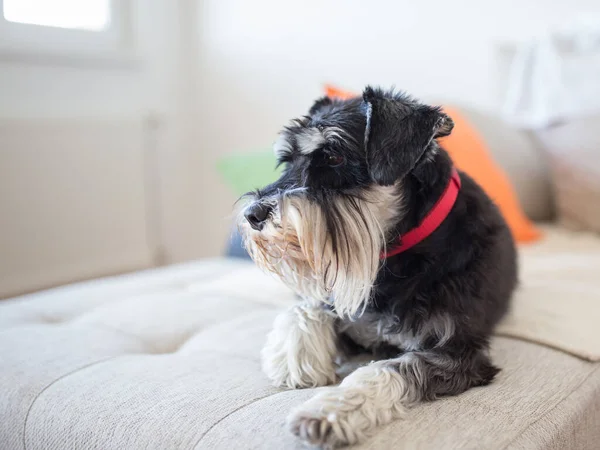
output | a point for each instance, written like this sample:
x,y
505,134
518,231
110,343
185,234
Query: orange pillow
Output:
x,y
333,92
471,155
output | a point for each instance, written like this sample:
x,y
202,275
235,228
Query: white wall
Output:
x,y
72,201
224,75
154,85
48,240
263,61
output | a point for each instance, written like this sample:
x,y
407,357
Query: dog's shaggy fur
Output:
x,y
358,175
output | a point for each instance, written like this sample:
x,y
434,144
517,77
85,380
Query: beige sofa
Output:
x,y
169,358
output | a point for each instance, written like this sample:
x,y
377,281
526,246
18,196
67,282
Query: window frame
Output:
x,y
41,43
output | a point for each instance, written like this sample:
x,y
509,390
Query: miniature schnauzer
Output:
x,y
391,250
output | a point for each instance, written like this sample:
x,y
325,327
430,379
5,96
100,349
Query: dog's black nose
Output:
x,y
256,215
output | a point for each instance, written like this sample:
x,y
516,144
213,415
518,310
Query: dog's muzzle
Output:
x,y
257,214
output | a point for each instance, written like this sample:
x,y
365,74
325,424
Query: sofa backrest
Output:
x,y
525,164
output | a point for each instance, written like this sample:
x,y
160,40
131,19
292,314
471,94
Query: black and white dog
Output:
x,y
391,250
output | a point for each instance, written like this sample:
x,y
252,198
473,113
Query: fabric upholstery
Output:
x,y
523,162
169,359
565,265
573,149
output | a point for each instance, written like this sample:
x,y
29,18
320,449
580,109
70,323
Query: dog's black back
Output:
x,y
465,270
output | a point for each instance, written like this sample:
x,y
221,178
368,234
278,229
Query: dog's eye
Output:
x,y
335,160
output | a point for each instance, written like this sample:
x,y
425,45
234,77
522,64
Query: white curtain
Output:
x,y
555,77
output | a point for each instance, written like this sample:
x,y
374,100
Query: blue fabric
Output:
x,y
235,249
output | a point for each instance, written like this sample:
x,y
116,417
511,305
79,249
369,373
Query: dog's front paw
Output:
x,y
300,350
315,431
329,420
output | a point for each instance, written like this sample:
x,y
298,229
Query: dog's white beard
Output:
x,y
322,264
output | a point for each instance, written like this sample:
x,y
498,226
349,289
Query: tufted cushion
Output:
x,y
169,359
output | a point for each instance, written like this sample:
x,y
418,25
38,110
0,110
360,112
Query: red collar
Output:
x,y
432,220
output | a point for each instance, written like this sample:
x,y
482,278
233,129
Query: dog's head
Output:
x,y
322,226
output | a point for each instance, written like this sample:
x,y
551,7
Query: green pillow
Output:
x,y
244,172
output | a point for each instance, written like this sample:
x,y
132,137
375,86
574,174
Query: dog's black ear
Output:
x,y
319,103
398,132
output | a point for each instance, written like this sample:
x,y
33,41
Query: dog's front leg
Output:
x,y
376,394
301,348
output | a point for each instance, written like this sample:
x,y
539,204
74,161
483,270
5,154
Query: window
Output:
x,y
77,14
66,30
